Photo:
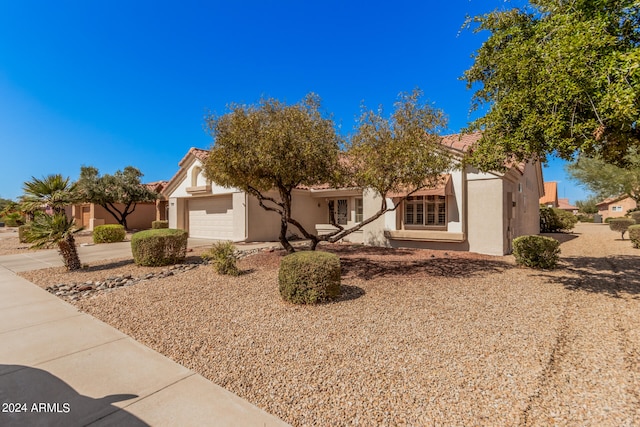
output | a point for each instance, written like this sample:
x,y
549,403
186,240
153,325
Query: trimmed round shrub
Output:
x,y
635,215
553,220
634,235
159,247
223,257
621,224
109,233
309,277
536,251
159,224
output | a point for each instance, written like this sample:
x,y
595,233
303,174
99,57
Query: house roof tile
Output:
x,y
550,193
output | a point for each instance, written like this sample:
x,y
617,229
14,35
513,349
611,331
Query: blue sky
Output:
x,y
118,83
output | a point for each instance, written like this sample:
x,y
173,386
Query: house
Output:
x,y
615,206
469,210
550,195
90,215
566,206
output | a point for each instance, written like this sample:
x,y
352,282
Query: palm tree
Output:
x,y
56,229
52,190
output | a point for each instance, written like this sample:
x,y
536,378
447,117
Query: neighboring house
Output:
x,y
566,206
550,196
90,215
616,206
468,211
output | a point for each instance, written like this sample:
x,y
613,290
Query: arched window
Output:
x,y
194,175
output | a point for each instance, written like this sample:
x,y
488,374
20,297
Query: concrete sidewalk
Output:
x,y
34,260
61,367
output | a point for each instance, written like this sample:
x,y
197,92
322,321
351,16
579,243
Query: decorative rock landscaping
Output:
x,y
76,291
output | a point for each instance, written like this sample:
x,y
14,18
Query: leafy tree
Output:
x,y
52,190
607,180
273,146
557,77
55,229
118,194
587,206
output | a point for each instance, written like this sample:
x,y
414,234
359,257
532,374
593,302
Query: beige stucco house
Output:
x,y
616,206
469,211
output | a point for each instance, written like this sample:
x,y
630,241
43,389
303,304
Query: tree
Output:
x,y
587,206
557,78
4,203
607,180
56,229
53,191
118,194
274,148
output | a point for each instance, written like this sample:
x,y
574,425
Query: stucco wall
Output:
x,y
485,214
187,181
607,210
139,219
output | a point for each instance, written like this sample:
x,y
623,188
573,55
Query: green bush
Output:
x,y
609,219
22,233
635,215
222,256
621,225
309,277
536,251
584,217
13,219
108,233
159,247
553,220
159,224
634,235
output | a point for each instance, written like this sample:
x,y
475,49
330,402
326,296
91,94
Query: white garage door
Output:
x,y
211,217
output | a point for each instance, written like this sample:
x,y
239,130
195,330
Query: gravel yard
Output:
x,y
419,337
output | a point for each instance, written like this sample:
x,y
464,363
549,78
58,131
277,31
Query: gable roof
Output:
x,y
192,155
610,200
565,205
550,193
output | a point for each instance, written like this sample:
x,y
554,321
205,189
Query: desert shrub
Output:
x,y
553,220
536,251
109,233
222,256
309,277
584,217
635,215
609,219
23,230
621,225
159,224
159,247
634,235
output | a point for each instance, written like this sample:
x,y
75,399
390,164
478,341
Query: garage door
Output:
x,y
211,217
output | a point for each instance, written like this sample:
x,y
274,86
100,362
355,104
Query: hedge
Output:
x,y
309,277
159,247
536,251
109,233
634,235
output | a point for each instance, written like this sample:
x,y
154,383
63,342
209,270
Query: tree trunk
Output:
x,y
283,237
69,253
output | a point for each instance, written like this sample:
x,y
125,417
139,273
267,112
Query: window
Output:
x,y
359,210
338,211
616,208
425,210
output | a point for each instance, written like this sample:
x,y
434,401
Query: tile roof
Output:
x,y
550,193
461,141
564,204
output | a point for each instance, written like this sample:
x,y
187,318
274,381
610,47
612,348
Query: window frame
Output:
x,y
424,207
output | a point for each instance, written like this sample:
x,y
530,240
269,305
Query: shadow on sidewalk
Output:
x,y
34,397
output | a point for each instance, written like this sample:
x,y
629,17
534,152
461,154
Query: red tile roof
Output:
x,y
550,193
565,205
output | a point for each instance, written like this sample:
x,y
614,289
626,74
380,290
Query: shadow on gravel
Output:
x,y
610,276
367,268
561,237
